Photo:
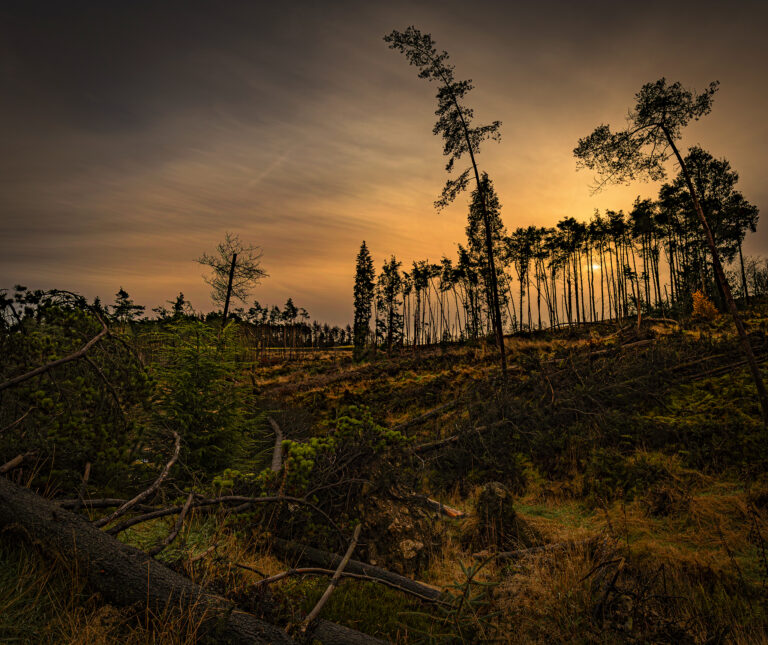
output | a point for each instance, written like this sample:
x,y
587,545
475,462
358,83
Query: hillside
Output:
x,y
611,489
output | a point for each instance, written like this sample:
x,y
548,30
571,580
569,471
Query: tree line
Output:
x,y
651,260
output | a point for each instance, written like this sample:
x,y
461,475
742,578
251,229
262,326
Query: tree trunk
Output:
x,y
743,276
229,289
122,574
126,576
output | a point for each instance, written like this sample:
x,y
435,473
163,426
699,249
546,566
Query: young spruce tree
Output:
x,y
364,275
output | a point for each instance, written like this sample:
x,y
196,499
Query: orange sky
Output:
x,y
136,134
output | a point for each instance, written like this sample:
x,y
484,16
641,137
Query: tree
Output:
x,y
236,269
641,150
459,137
364,275
485,205
124,308
180,307
728,214
389,288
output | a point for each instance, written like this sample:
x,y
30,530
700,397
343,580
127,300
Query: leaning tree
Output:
x,y
236,269
641,149
454,123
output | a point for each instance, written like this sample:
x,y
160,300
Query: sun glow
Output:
x,y
595,267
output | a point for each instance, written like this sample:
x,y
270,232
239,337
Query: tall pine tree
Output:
x,y
364,275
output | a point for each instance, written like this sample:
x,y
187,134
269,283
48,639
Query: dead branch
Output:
x,y
106,502
83,488
334,581
13,424
61,361
245,502
177,527
547,548
434,445
14,463
151,490
307,554
441,508
201,555
277,453
247,567
318,571
418,420
109,386
670,321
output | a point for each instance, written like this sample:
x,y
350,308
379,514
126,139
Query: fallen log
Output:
x,y
434,445
535,550
330,633
307,554
125,576
120,573
417,420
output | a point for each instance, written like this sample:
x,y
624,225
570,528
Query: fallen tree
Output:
x,y
124,575
307,554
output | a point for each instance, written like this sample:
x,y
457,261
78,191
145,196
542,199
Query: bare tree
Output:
x,y
236,269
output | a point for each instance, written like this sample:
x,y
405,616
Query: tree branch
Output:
x,y
61,361
177,527
277,453
143,495
334,581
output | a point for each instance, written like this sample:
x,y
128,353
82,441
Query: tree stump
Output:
x,y
496,524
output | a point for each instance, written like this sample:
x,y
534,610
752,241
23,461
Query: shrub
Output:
x,y
703,307
88,410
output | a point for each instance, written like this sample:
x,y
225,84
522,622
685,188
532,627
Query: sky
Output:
x,y
135,134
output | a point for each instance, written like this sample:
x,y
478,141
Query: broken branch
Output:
x,y
177,527
143,495
334,581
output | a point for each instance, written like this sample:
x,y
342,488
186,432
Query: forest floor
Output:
x,y
637,450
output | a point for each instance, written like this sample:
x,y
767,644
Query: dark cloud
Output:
x,y
135,133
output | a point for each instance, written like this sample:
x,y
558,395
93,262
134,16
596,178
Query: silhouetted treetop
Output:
x,y
453,118
640,150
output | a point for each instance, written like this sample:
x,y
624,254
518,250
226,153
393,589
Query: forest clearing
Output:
x,y
557,432
612,489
